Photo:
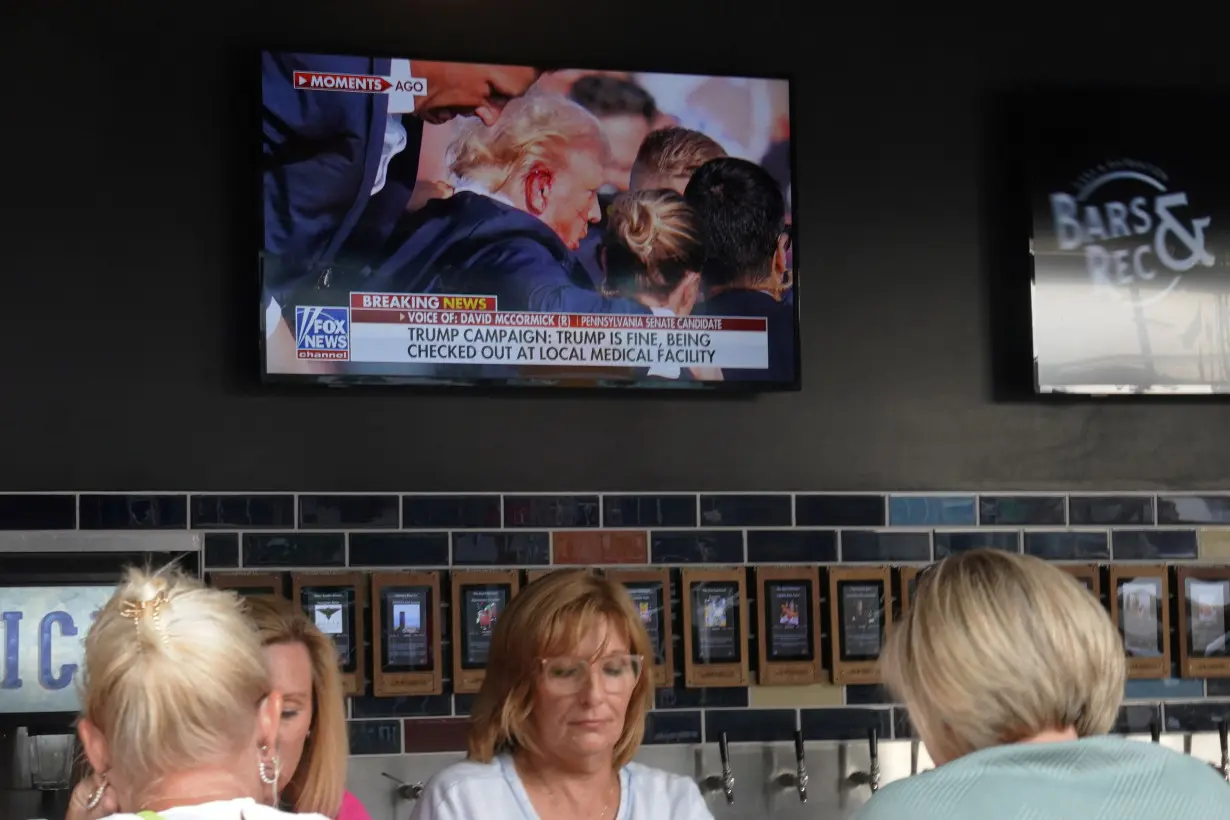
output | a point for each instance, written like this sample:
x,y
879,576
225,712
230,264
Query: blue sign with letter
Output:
x,y
42,630
322,333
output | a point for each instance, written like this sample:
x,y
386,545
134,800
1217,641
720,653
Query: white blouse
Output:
x,y
493,791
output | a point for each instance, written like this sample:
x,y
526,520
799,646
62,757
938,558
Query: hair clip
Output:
x,y
135,612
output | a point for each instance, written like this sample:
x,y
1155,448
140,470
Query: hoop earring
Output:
x,y
96,796
269,772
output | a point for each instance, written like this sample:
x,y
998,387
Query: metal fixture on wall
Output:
x,y
404,790
725,782
798,778
871,777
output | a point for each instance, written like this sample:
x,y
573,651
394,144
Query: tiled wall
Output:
x,y
314,531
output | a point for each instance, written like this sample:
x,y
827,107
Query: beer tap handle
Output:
x,y
1222,728
873,745
801,774
728,777
724,751
1155,731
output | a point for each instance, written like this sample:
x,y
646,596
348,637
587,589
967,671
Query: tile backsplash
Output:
x,y
290,531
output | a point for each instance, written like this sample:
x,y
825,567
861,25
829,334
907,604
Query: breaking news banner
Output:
x,y
392,328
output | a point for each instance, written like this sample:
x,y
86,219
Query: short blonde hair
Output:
x,y
173,676
550,617
997,648
672,153
319,782
538,127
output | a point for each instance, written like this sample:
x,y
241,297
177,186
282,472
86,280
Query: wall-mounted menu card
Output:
x,y
789,620
334,602
1204,604
715,627
1140,606
251,584
907,577
859,601
479,599
406,634
1088,574
650,591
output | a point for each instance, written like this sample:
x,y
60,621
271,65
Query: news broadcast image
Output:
x,y
467,223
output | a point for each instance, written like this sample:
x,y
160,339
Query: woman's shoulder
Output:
x,y
352,809
468,773
661,786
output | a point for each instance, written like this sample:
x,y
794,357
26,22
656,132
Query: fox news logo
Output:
x,y
322,333
1137,233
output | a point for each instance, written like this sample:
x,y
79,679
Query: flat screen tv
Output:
x,y
1131,243
440,223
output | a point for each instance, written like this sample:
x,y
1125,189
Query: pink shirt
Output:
x,y
352,809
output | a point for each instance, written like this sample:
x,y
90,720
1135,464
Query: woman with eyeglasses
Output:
x,y
1013,674
560,716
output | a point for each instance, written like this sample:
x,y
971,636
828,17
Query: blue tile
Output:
x,y
1068,546
850,723
791,546
1195,717
745,511
1029,510
1145,545
1169,689
399,549
450,512
374,737
733,697
858,546
839,510
872,694
38,512
221,549
751,725
1193,509
664,728
932,511
463,704
296,549
1218,687
243,511
696,547
565,511
649,511
950,543
1110,510
338,511
503,549
133,512
1137,719
422,706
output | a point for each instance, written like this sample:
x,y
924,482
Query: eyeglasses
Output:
x,y
568,675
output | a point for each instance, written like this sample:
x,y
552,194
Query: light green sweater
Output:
x,y
1101,778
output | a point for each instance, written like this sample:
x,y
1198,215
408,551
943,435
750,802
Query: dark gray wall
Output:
x,y
130,244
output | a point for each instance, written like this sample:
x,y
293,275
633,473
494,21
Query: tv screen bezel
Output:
x,y
539,385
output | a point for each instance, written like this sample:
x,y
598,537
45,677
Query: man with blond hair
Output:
x,y
669,156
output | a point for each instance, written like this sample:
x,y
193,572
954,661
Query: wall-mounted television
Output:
x,y
1130,198
447,223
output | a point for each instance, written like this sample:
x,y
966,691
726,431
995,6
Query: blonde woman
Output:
x,y
303,667
560,716
652,252
178,717
1013,674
